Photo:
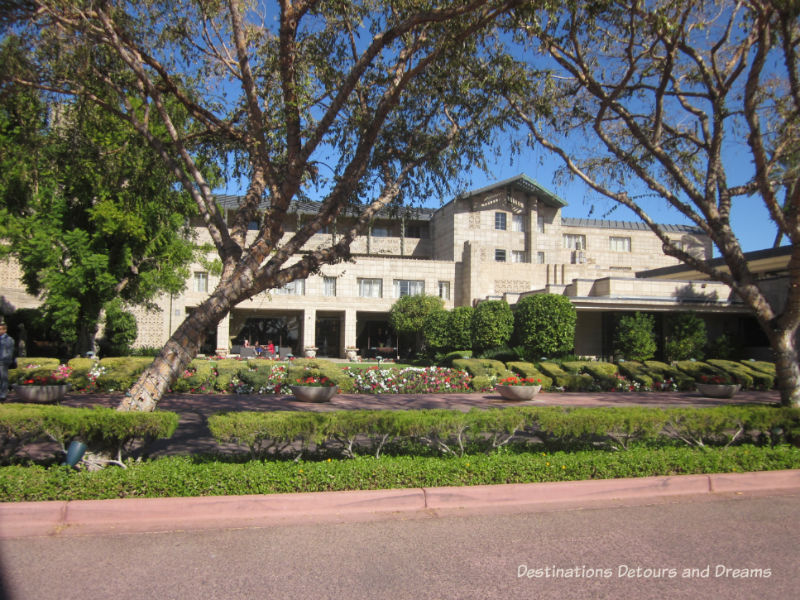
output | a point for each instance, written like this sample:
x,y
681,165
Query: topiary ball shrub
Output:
x,y
544,325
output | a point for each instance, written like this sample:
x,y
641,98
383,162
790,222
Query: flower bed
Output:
x,y
411,380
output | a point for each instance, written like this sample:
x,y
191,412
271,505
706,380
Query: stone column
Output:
x,y
223,336
349,327
309,327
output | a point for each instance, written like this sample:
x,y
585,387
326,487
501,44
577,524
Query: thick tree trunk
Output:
x,y
787,368
176,355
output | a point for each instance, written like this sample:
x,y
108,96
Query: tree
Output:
x,y
436,331
408,315
672,95
545,325
394,93
460,326
685,337
634,338
87,211
492,324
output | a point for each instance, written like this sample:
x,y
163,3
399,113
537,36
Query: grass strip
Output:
x,y
205,476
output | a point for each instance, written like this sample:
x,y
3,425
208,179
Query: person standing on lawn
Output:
x,y
6,358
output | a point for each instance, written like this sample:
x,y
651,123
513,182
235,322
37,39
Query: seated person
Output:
x,y
270,349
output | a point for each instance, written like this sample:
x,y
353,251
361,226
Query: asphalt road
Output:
x,y
743,546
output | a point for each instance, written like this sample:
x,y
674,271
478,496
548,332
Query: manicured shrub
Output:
x,y
492,324
460,326
526,369
407,315
669,374
696,368
636,371
26,366
436,330
544,324
303,368
744,375
634,338
410,380
102,429
120,373
447,361
562,379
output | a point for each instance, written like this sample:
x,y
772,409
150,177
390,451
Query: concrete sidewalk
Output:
x,y
141,515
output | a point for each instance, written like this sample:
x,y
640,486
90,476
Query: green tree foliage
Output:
x,y
120,330
492,324
393,99
695,103
436,329
545,325
407,316
460,326
634,338
685,337
90,214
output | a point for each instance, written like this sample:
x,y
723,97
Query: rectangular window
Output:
x,y
444,290
329,286
574,241
293,288
517,223
500,220
540,258
540,224
414,231
518,256
408,287
380,231
200,281
370,288
500,255
619,244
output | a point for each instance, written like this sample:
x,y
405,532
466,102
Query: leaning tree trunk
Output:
x,y
176,355
787,368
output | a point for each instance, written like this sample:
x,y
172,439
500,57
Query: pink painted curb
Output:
x,y
92,517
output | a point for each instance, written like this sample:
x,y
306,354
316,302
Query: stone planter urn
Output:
x,y
718,390
309,393
518,392
310,352
42,394
351,353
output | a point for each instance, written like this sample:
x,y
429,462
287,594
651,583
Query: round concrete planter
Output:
x,y
351,354
42,394
718,390
310,352
519,392
307,393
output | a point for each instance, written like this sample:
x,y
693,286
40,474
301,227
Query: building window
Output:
x,y
370,288
517,223
408,287
540,258
293,288
500,220
380,231
444,290
574,241
619,244
518,256
415,231
619,268
540,224
200,281
329,286
500,255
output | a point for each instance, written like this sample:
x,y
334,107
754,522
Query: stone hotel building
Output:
x,y
504,241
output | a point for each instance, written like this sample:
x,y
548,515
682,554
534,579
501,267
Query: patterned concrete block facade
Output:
x,y
502,241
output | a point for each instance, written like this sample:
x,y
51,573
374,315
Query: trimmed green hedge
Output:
x,y
451,431
526,369
563,379
102,429
186,477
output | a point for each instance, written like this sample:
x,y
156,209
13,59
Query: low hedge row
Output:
x,y
103,429
450,432
187,476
